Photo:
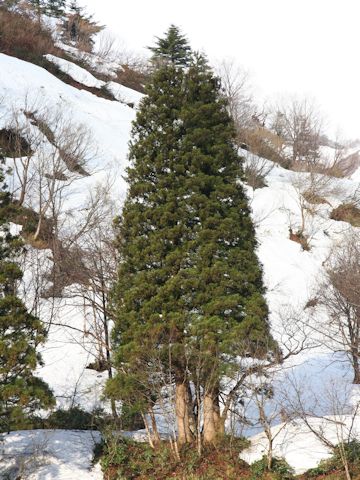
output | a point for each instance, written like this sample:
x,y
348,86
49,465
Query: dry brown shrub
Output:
x,y
132,78
299,237
314,198
264,143
22,37
13,144
347,212
27,39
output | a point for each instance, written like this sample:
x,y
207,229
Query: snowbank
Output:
x,y
301,447
77,73
50,454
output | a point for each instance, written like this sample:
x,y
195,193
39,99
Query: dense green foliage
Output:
x,y
189,296
349,451
53,8
173,48
75,418
280,470
21,393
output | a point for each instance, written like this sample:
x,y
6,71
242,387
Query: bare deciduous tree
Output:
x,y
326,411
236,88
340,296
256,170
300,124
311,191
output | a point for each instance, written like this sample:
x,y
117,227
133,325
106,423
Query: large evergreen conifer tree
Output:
x,y
21,393
189,294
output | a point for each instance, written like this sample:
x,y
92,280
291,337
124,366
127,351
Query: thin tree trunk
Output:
x,y
345,461
38,228
155,432
151,443
107,337
356,367
270,453
190,408
198,421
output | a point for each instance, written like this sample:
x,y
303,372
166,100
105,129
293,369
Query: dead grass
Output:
x,y
314,198
12,144
24,38
347,212
132,78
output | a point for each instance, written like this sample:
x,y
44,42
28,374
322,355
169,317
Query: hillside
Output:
x,y
86,137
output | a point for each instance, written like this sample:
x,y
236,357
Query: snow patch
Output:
x,y
79,74
50,454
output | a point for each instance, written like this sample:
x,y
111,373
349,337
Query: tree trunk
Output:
x,y
192,419
356,367
182,413
107,336
210,415
151,443
38,228
219,420
154,431
270,454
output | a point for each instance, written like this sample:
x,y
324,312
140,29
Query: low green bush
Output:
x,y
351,450
75,419
124,458
280,469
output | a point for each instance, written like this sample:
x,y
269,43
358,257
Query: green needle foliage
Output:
x,y
21,393
173,48
228,313
56,8
53,8
189,296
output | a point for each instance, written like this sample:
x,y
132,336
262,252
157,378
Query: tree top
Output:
x,y
173,47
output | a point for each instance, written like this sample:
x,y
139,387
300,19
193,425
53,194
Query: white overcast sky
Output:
x,y
302,47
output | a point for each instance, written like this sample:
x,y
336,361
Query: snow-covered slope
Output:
x,y
25,87
121,93
301,447
291,274
77,73
49,454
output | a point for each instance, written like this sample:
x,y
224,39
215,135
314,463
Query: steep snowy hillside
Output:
x,y
36,89
101,127
107,125
30,94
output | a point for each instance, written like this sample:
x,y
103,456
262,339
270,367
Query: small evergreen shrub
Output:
x,y
130,418
127,458
75,418
335,462
280,469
